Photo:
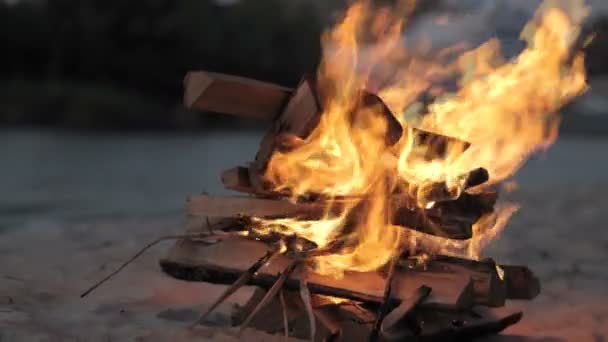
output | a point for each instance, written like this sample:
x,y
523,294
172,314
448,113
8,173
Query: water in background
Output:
x,y
66,177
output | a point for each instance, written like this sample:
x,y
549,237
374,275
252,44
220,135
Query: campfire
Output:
x,y
375,189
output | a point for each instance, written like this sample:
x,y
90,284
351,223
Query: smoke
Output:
x,y
474,21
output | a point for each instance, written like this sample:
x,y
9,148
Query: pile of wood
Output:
x,y
431,299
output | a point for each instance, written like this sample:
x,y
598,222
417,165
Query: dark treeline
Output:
x,y
121,63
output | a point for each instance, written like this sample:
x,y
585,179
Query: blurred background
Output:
x,y
97,153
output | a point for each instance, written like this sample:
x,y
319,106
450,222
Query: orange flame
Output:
x,y
504,109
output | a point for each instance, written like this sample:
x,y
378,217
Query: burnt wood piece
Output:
x,y
225,261
384,307
430,221
296,113
234,95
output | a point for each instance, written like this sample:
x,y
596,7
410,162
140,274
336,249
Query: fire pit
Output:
x,y
375,188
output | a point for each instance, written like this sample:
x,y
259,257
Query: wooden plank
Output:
x,y
223,262
446,328
237,179
489,288
436,221
234,95
225,206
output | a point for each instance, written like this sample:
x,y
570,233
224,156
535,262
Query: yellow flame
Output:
x,y
504,109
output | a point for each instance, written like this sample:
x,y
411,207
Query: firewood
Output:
x,y
240,179
329,317
494,282
441,192
403,310
296,113
440,327
489,288
234,95
237,179
384,307
225,261
270,318
449,221
225,206
272,293
332,320
240,282
300,116
521,282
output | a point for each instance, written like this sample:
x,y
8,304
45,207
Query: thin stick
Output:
x,y
331,320
209,225
278,285
142,251
385,305
285,319
305,295
240,282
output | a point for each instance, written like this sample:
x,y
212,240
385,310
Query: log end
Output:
x,y
195,85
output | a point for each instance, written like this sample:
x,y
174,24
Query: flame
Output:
x,y
504,109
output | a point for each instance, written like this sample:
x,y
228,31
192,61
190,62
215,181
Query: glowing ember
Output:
x,y
504,109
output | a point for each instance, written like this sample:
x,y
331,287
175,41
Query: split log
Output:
x,y
234,95
296,113
424,221
449,222
225,261
240,179
223,206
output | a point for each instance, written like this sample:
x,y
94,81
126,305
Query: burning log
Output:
x,y
195,262
296,113
215,206
299,117
434,216
448,222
